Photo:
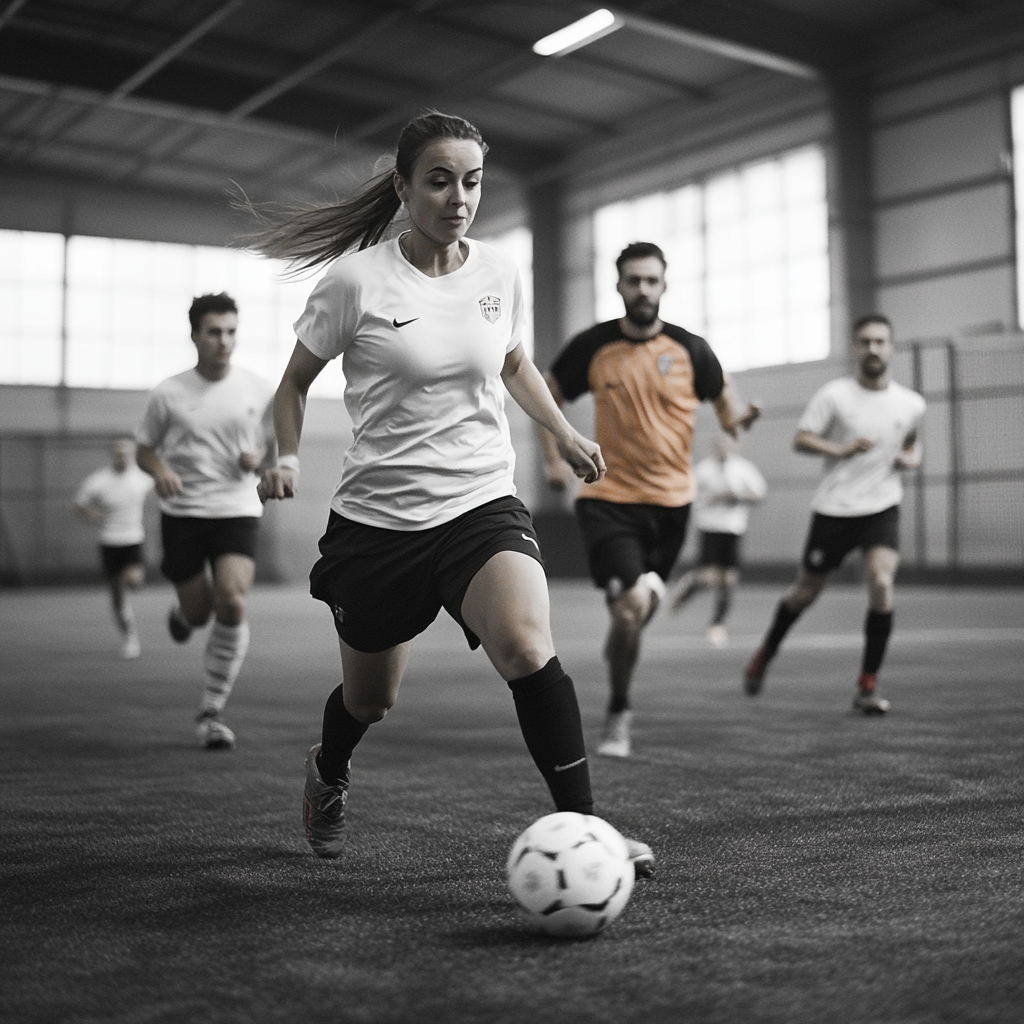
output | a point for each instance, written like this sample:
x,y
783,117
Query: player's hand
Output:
x,y
166,482
860,444
907,460
248,462
559,475
749,416
277,483
584,457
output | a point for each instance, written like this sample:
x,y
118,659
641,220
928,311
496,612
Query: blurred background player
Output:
x,y
866,427
727,486
112,499
203,436
647,378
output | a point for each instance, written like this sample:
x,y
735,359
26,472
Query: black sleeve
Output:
x,y
708,378
572,366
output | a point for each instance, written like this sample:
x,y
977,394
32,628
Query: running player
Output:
x,y
428,325
204,435
866,427
647,378
727,486
112,499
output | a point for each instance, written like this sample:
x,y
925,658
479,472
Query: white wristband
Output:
x,y
288,462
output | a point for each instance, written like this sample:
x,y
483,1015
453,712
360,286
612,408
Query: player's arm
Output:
x,y
87,511
733,413
166,482
282,480
559,473
527,387
910,455
810,443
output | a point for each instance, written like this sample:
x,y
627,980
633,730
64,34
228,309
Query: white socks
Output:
x,y
225,651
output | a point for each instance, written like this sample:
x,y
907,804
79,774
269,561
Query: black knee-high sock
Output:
x,y
550,719
877,627
784,618
341,734
722,602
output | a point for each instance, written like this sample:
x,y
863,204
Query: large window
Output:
x,y
1017,120
114,313
747,254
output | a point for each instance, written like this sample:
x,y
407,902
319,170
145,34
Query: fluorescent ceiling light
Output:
x,y
578,34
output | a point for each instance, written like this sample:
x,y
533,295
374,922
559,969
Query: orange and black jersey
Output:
x,y
646,395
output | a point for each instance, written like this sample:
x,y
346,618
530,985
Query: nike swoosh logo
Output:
x,y
395,323
531,540
566,767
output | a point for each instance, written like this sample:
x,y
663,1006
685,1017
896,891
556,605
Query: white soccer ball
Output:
x,y
570,874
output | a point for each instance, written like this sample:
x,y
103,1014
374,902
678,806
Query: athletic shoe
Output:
x,y
717,635
753,680
214,734
323,809
131,648
642,857
870,703
615,740
179,629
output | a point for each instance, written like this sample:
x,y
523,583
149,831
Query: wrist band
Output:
x,y
288,462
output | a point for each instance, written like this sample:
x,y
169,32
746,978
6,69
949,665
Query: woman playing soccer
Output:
x,y
428,327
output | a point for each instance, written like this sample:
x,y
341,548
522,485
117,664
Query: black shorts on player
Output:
x,y
831,538
721,550
117,557
625,541
190,542
387,586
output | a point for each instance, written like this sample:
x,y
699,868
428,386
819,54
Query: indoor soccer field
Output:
x,y
813,865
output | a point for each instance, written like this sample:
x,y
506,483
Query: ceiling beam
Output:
x,y
10,11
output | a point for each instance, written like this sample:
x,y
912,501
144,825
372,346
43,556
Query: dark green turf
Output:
x,y
813,865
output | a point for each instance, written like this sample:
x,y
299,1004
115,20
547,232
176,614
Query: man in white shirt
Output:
x,y
111,499
203,436
727,486
866,427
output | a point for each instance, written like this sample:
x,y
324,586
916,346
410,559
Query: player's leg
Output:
x,y
882,563
725,579
184,564
693,582
129,577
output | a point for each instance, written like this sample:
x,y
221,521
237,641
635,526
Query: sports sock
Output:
x,y
341,732
877,627
617,704
226,647
784,618
722,602
549,717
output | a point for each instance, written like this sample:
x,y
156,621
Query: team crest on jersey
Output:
x,y
665,364
490,308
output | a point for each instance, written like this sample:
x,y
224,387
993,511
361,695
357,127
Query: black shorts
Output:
x,y
831,538
116,557
625,541
719,549
191,542
386,586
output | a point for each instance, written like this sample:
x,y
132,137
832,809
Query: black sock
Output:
x,y
341,734
877,627
722,606
617,704
550,719
784,618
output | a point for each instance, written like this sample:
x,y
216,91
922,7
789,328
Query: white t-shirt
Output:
x,y
422,358
118,497
842,411
199,428
713,510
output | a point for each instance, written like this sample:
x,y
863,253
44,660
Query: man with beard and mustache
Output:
x,y
866,427
647,378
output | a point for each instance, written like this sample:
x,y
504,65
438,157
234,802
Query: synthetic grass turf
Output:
x,y
813,864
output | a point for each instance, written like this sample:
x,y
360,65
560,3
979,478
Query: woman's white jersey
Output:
x,y
199,428
866,482
422,358
118,497
714,508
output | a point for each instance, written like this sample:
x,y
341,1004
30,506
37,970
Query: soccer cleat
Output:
x,y
615,741
131,648
717,636
323,809
213,733
753,679
870,703
642,857
179,629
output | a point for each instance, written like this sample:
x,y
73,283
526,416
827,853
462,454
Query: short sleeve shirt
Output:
x,y
713,512
646,395
200,428
422,358
866,482
119,499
